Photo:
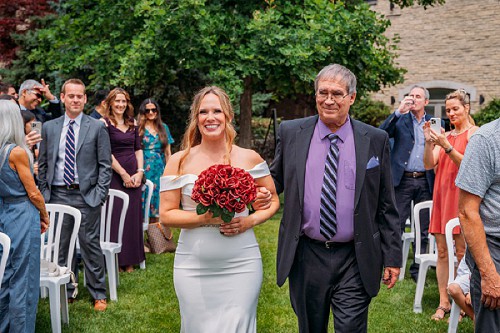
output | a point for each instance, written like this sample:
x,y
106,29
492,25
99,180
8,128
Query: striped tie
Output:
x,y
69,159
328,206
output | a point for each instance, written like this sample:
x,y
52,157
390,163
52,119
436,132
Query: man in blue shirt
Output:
x,y
411,180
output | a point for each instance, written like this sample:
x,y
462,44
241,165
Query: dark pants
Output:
x,y
88,237
416,189
485,320
328,277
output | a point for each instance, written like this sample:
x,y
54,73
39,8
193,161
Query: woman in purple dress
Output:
x,y
128,171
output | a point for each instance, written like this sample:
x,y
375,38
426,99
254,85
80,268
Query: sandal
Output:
x,y
438,317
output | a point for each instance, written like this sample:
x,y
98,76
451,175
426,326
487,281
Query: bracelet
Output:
x,y
448,150
140,170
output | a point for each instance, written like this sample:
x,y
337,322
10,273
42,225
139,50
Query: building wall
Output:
x,y
455,45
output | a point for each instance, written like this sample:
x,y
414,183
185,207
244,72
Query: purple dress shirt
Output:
x,y
346,180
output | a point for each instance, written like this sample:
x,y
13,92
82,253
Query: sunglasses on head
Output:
x,y
150,110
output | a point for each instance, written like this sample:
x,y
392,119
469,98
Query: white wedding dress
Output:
x,y
217,278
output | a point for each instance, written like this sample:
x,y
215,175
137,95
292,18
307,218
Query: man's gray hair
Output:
x,y
337,72
426,92
28,85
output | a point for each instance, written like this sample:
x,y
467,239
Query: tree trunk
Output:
x,y
245,135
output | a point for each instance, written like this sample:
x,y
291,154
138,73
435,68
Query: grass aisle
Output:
x,y
147,302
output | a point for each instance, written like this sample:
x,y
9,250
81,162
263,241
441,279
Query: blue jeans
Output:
x,y
21,283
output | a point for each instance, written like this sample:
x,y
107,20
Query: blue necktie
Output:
x,y
69,159
328,205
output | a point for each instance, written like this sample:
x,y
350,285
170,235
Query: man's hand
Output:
x,y
32,138
490,290
46,91
263,199
391,275
406,104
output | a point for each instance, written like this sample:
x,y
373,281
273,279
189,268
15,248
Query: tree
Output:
x,y
272,46
15,18
489,113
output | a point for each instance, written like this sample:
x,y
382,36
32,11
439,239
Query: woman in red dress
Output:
x,y
444,152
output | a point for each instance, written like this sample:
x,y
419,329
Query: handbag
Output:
x,y
160,238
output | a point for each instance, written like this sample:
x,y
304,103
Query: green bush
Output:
x,y
489,113
370,111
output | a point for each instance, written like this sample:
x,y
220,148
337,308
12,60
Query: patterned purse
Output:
x,y
160,238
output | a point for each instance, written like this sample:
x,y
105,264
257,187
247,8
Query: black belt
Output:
x,y
414,174
68,187
327,244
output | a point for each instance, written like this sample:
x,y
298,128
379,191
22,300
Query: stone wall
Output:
x,y
455,45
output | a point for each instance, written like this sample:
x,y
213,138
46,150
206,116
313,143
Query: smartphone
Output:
x,y
37,127
436,125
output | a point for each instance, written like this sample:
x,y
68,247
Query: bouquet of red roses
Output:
x,y
224,191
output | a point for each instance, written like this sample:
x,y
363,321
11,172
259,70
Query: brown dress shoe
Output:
x,y
100,305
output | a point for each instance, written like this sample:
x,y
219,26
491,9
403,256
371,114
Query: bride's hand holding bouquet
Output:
x,y
223,191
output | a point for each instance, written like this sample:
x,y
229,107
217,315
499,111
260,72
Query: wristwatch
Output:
x,y
448,150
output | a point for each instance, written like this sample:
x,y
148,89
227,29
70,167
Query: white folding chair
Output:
x,y
5,242
111,249
452,260
424,259
407,238
149,187
55,280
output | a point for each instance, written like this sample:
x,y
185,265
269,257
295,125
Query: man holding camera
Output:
x,y
411,180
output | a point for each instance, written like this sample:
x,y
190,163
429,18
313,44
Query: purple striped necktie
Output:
x,y
328,205
69,159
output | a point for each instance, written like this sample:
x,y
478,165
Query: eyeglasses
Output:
x,y
37,94
150,110
336,96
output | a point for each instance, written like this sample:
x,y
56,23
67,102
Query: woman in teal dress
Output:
x,y
156,140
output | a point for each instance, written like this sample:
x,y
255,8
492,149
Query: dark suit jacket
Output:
x,y
53,111
401,129
376,222
93,159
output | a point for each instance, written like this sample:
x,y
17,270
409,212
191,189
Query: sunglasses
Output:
x,y
37,94
150,110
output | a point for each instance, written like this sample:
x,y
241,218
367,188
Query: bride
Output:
x,y
217,266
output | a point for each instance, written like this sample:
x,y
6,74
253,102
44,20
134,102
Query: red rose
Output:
x,y
225,187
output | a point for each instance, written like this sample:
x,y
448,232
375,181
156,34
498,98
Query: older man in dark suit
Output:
x,y
75,170
340,222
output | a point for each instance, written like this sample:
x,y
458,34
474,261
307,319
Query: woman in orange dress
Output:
x,y
444,152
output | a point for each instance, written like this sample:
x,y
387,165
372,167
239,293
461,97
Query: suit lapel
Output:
x,y
56,134
302,142
362,144
84,129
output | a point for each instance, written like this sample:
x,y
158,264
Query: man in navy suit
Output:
x,y
31,93
411,180
341,270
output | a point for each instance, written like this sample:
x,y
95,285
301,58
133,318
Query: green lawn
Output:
x,y
147,301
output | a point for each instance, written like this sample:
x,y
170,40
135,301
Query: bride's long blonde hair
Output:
x,y
192,136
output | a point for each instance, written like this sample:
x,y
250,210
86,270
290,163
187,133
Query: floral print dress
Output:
x,y
154,163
